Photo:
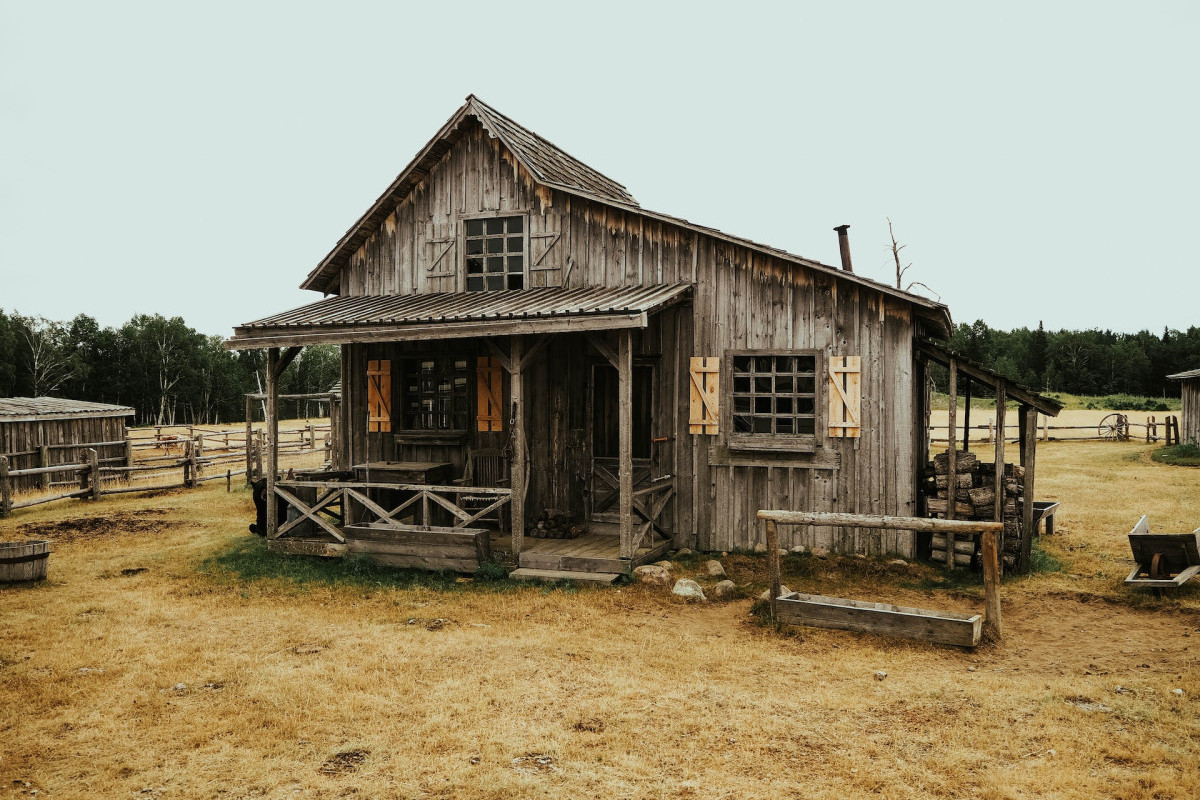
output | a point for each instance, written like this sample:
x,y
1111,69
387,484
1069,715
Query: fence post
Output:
x,y
249,441
128,456
199,444
189,464
312,438
991,583
5,488
44,461
773,565
94,473
258,455
1045,428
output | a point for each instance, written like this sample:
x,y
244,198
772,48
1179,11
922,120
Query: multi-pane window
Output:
x,y
774,394
436,394
495,254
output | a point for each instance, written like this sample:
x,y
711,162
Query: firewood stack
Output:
x,y
555,524
974,498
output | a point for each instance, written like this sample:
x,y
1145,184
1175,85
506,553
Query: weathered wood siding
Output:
x,y
744,299
1189,417
66,442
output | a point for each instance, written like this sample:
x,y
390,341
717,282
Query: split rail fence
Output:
x,y
155,458
1114,427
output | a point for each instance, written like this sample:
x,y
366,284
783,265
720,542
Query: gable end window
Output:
x,y
495,253
773,399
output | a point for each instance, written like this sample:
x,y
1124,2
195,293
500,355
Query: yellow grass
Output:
x,y
173,682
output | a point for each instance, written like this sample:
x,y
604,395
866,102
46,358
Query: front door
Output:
x,y
606,442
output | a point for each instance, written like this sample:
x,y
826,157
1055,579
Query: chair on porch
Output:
x,y
485,468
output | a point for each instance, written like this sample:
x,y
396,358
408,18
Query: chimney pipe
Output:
x,y
844,246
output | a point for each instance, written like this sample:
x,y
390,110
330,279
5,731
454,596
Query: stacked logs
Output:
x,y
974,497
555,524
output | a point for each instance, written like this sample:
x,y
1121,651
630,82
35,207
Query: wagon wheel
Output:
x,y
1113,427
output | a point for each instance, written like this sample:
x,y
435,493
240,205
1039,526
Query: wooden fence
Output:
x,y
157,458
1114,427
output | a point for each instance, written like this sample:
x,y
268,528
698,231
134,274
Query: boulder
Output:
x,y
760,548
798,550
683,553
724,590
688,589
652,574
714,568
666,564
897,562
783,591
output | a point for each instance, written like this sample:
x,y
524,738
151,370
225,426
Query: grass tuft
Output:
x,y
1178,455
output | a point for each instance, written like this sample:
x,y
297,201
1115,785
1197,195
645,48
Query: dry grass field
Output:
x,y
167,657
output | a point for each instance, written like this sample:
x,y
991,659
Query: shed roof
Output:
x,y
448,315
552,167
1182,376
987,377
29,409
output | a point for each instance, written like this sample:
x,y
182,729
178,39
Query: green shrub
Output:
x,y
1178,455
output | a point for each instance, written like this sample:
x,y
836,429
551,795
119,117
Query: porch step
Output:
x,y
605,527
527,574
605,516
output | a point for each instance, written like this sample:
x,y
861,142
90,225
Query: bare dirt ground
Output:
x,y
141,669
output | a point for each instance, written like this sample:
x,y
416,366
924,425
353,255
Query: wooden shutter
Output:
x,y
845,396
705,375
379,396
488,388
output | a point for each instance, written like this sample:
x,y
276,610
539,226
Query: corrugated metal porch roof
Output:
x,y
341,320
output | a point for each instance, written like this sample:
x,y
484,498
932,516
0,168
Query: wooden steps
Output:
x,y
529,574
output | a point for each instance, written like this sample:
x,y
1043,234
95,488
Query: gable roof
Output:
x,y
553,167
30,409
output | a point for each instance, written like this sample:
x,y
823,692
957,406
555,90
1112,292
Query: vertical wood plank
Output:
x,y
272,441
5,488
1001,401
992,625
773,561
625,404
249,433
1029,425
517,397
952,458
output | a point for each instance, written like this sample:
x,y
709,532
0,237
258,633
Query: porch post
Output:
x,y
625,405
272,441
1028,455
516,355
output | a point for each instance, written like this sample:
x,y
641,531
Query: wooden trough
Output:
x,y
1164,560
942,627
457,549
24,561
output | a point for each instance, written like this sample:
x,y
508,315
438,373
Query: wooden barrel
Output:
x,y
24,561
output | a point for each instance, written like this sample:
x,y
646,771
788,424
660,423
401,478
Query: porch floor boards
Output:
x,y
590,553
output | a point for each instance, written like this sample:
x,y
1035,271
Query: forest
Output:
x,y
168,372
172,374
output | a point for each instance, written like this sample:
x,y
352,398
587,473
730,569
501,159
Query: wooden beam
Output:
x,y
1001,403
967,418
286,359
625,435
498,354
889,523
597,341
1047,406
952,454
536,350
517,392
249,444
272,440
773,562
1029,425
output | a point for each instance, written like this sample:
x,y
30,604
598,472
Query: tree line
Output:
x,y
168,372
1091,362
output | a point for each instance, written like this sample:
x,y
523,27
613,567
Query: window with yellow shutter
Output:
x,y
379,396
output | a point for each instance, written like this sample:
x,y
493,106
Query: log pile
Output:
x,y
974,497
555,524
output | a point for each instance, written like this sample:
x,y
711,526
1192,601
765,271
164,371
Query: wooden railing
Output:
x,y
338,501
648,504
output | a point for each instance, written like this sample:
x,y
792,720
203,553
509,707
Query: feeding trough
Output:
x,y
24,561
942,627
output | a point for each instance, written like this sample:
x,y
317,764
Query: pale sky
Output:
x,y
1039,160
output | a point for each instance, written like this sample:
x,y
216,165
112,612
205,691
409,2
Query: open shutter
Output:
x,y
845,396
488,415
379,396
705,375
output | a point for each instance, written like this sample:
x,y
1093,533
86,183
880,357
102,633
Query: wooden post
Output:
x,y
517,423
312,438
993,627
228,480
272,468
1150,430
1001,402
5,488
1029,424
625,435
44,461
967,419
1045,428
199,445
773,565
128,455
193,464
94,473
991,430
249,441
952,459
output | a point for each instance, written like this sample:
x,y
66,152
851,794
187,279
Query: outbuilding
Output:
x,y
38,432
1189,426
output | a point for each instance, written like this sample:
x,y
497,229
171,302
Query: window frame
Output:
x,y
400,413
798,443
462,248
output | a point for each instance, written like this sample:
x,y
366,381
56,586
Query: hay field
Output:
x,y
144,667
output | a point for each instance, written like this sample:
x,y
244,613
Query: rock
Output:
x,y
724,589
880,675
759,547
783,592
714,568
820,552
798,549
652,574
1177,692
782,552
666,564
689,589
859,556
683,553
897,562
970,669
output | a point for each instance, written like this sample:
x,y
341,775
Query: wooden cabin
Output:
x,y
38,432
1189,417
523,343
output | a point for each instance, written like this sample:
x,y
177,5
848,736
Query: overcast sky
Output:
x,y
1039,160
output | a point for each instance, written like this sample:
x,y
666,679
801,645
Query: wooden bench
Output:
x,y
1164,560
